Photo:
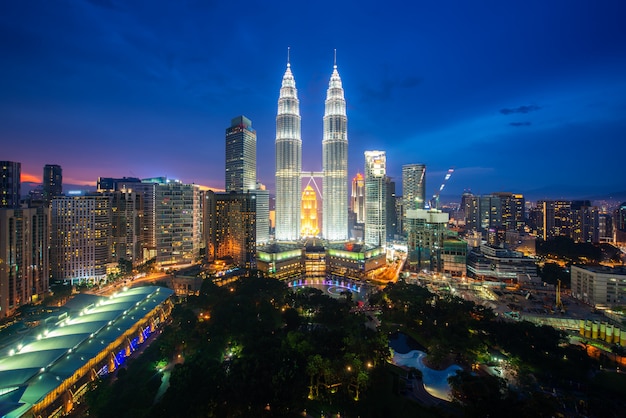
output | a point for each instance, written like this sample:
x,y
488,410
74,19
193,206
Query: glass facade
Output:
x,y
240,159
375,198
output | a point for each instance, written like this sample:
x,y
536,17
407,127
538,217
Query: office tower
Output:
x,y
262,214
554,218
392,220
335,162
426,232
23,257
619,224
375,198
309,224
240,156
126,226
513,210
399,211
231,227
584,221
413,186
52,182
146,188
357,199
490,212
470,206
288,160
10,184
80,237
177,222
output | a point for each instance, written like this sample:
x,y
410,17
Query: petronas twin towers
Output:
x,y
289,162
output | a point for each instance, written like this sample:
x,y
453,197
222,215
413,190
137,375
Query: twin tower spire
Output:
x,y
289,161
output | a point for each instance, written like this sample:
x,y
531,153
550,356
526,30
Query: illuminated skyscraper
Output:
x,y
358,197
24,267
375,198
310,227
240,160
413,186
335,162
52,182
10,184
288,160
80,235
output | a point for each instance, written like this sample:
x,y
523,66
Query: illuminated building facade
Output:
x,y
288,161
10,184
413,186
230,227
309,222
80,237
262,214
52,182
335,163
513,210
177,222
147,190
126,226
357,199
281,261
599,285
24,263
375,198
427,230
240,159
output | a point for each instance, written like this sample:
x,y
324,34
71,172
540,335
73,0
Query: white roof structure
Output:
x,y
52,352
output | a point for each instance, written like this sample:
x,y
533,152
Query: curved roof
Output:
x,y
54,351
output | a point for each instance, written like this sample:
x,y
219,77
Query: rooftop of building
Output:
x,y
619,270
44,356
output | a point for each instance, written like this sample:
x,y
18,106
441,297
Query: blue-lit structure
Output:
x,y
45,369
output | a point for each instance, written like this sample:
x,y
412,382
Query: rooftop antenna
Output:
x,y
288,63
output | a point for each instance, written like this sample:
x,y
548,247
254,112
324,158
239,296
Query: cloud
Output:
x,y
516,124
521,109
387,87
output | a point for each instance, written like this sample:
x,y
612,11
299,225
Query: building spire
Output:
x,y
335,61
288,63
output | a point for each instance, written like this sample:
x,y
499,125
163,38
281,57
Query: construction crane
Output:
x,y
435,199
559,303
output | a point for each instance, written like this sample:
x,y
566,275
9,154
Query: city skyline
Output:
x,y
515,97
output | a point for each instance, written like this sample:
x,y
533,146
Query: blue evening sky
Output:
x,y
515,95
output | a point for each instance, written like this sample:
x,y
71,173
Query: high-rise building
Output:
x,y
23,257
426,232
262,214
375,198
357,199
126,226
390,200
146,188
52,182
230,227
240,156
513,210
177,222
414,186
288,160
80,237
335,162
309,222
10,184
